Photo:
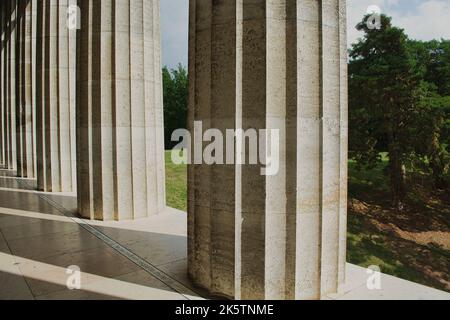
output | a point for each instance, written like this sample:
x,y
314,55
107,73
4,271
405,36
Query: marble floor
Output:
x,y
42,239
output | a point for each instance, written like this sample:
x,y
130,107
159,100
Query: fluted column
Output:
x,y
53,105
278,65
25,102
9,87
120,142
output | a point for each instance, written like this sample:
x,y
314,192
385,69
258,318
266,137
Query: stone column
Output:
x,y
278,65
53,105
120,137
9,84
2,80
25,101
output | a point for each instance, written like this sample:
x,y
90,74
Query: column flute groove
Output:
x,y
2,81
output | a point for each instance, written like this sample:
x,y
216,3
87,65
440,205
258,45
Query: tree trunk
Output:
x,y
438,170
437,165
397,176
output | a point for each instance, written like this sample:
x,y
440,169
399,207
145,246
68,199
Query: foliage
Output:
x,y
434,132
385,94
395,104
176,91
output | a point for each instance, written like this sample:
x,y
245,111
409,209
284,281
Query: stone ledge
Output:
x,y
392,288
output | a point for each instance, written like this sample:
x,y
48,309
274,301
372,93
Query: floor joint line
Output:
x,y
151,269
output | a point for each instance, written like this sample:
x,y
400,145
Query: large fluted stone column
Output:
x,y
25,101
257,64
120,143
9,83
53,105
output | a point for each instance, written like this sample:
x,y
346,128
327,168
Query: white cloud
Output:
x,y
421,19
430,21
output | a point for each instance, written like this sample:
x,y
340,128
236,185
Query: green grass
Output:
x,y
368,180
176,184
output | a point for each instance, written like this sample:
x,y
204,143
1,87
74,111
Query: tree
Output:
x,y
386,90
434,58
436,137
176,91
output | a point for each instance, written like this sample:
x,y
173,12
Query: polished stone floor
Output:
x,y
41,237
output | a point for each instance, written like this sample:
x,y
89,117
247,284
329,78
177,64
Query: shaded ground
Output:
x,y
414,245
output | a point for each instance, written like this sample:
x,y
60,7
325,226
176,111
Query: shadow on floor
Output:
x,y
38,243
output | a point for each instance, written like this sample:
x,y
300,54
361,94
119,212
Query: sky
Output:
x,y
421,19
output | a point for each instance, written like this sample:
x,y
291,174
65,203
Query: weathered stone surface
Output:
x,y
120,136
270,65
53,99
25,100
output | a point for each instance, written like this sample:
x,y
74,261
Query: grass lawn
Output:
x,y
176,184
414,245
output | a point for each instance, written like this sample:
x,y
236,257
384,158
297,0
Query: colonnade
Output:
x,y
82,110
81,105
